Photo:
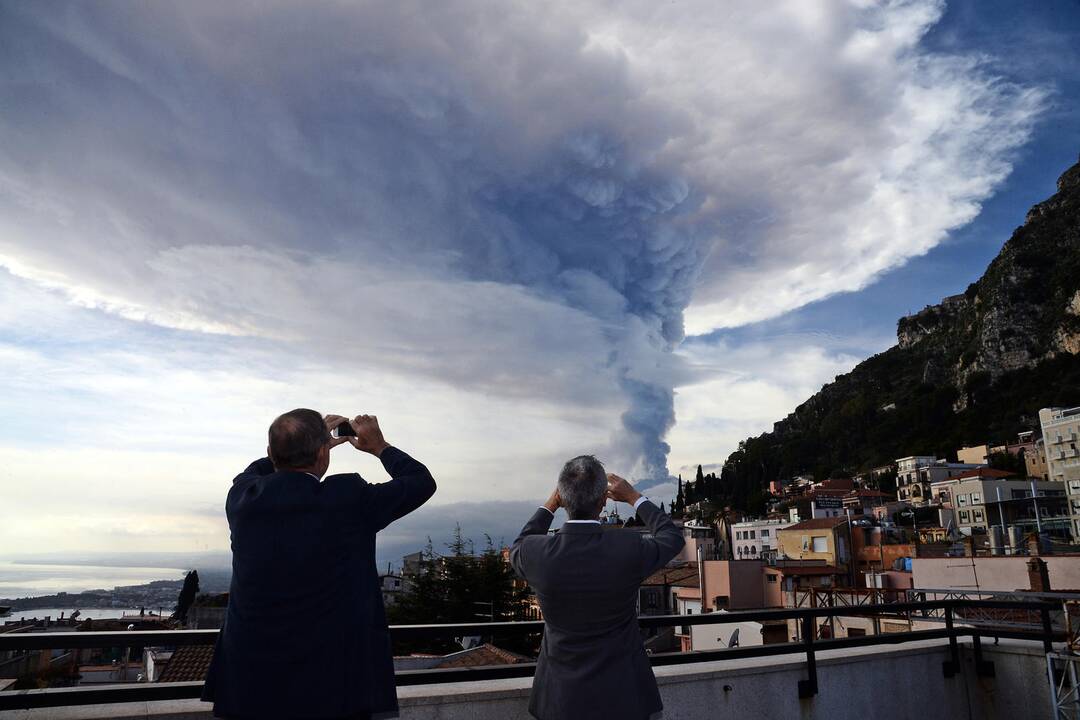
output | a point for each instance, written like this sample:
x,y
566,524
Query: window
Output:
x,y
964,516
979,516
740,551
770,578
753,550
962,500
752,534
764,533
738,534
976,498
820,544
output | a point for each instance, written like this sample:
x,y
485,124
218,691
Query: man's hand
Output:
x,y
369,437
554,502
621,490
332,421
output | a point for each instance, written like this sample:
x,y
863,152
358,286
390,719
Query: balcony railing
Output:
x,y
944,611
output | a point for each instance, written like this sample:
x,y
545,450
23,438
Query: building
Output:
x,y
701,544
981,498
392,586
1035,461
916,473
819,503
865,501
907,475
975,455
1061,433
755,539
655,595
823,539
726,585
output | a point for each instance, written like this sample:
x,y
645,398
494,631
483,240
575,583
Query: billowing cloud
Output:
x,y
523,202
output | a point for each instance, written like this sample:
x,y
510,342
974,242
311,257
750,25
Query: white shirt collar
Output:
x,y
584,521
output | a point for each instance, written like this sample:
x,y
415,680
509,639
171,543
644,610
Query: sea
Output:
x,y
20,579
94,613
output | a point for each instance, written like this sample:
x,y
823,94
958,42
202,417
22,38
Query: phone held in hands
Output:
x,y
344,430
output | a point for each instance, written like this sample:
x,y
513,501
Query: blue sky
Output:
x,y
515,237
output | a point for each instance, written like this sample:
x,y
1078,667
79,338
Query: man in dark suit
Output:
x,y
305,633
592,662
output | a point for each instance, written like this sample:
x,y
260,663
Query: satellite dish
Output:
x,y
734,641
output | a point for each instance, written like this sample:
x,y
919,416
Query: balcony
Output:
x,y
956,674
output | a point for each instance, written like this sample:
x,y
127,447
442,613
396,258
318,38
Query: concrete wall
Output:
x,y
742,581
994,573
884,683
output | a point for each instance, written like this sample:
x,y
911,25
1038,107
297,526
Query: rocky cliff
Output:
x,y
974,368
1023,310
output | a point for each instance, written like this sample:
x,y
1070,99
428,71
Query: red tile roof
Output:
x,y
188,663
985,472
486,654
672,576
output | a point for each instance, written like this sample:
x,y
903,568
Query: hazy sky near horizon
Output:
x,y
514,232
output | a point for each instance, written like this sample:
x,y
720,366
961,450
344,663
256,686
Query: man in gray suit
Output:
x,y
592,662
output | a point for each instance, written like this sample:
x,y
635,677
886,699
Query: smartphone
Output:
x,y
344,429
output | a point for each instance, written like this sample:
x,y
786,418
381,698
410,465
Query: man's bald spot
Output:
x,y
296,438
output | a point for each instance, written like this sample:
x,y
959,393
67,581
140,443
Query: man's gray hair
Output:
x,y
582,483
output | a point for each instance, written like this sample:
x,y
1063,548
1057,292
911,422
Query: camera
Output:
x,y
344,430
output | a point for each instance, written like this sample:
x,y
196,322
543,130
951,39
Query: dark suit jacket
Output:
x,y
305,633
592,662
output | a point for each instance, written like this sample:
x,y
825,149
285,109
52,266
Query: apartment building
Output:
x,y
986,497
916,473
756,539
1061,435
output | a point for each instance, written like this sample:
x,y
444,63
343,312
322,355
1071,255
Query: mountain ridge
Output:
x,y
973,368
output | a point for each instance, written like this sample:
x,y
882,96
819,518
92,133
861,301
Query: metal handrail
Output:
x,y
808,645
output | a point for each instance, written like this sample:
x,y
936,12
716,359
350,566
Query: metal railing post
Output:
x,y
983,668
1048,630
951,666
808,688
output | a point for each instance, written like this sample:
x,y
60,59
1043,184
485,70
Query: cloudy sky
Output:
x,y
516,232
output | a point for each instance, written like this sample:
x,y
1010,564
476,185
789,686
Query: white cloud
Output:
x,y
748,387
494,235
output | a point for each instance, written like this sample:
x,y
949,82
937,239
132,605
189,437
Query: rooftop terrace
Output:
x,y
943,670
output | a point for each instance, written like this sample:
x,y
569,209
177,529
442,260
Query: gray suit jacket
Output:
x,y
592,662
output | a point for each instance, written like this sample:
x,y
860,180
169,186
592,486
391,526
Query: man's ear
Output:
x,y
270,454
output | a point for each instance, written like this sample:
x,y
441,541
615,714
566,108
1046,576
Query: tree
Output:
x,y
187,596
457,587
1009,463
